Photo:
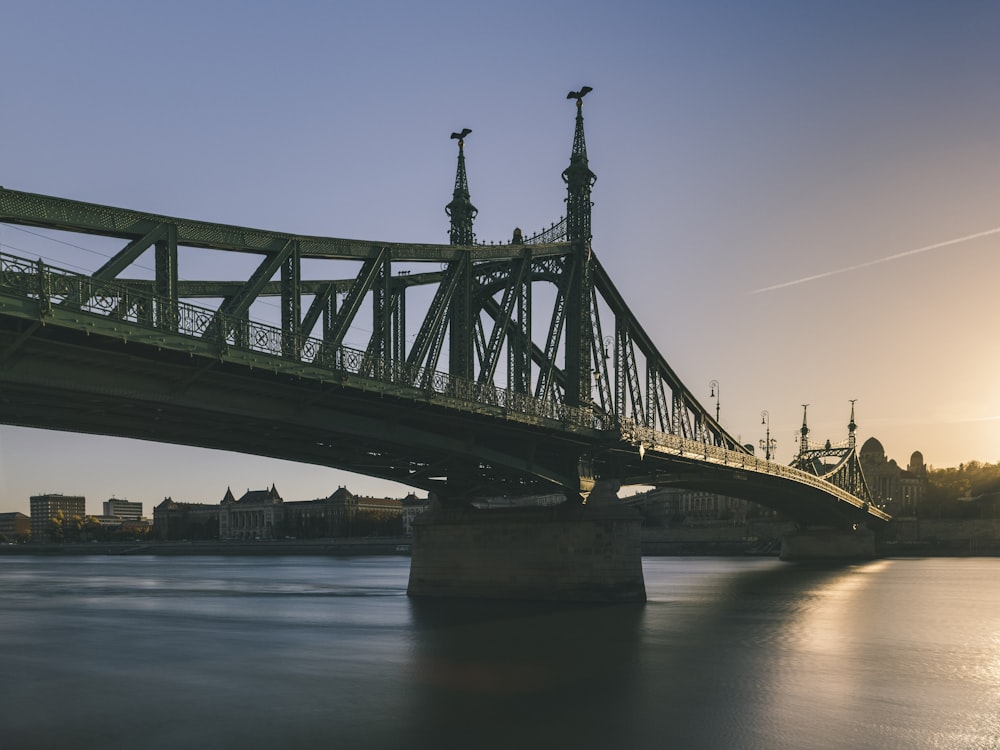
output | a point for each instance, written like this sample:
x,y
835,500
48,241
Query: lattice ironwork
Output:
x,y
440,321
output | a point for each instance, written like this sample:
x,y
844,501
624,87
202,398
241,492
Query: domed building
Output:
x,y
897,491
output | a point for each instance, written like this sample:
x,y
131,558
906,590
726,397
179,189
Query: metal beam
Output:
x,y
32,209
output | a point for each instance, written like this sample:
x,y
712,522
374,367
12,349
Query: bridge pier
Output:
x,y
567,552
828,544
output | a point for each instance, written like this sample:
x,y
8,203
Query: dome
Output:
x,y
873,449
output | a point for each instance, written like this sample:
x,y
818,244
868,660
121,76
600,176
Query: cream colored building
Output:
x,y
898,491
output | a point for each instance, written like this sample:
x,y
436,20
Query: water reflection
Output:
x,y
313,652
531,675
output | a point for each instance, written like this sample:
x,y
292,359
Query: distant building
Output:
x,y
899,492
256,515
413,506
45,507
344,514
263,514
126,510
108,522
520,501
659,506
15,527
173,520
663,506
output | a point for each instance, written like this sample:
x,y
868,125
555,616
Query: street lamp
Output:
x,y
716,392
767,444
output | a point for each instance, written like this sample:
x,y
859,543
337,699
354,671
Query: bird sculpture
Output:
x,y
460,136
579,94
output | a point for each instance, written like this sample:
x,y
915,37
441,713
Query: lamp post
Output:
x,y
767,444
716,392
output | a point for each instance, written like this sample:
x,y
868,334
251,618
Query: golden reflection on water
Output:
x,y
905,648
832,611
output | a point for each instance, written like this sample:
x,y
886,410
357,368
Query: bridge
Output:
x,y
511,368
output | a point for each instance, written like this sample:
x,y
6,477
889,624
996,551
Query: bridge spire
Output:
x,y
461,327
461,210
851,427
804,439
579,315
578,178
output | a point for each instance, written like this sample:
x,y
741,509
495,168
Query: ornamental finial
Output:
x,y
578,178
461,210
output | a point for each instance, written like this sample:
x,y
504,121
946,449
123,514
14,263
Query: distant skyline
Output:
x,y
798,200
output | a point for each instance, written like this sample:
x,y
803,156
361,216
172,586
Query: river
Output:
x,y
313,652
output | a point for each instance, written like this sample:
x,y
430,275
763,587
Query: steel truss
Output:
x,y
492,337
484,312
846,472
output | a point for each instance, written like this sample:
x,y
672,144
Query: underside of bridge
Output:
x,y
55,378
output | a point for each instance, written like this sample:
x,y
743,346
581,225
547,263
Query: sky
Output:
x,y
799,200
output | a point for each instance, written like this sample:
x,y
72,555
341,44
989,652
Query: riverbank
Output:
x,y
330,547
906,538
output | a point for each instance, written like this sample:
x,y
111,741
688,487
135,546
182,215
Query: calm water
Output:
x,y
129,652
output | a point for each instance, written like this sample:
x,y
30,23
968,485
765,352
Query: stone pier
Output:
x,y
828,544
572,553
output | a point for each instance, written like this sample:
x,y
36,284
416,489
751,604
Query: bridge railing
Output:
x,y
650,439
114,300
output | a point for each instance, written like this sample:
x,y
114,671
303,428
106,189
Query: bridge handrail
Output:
x,y
651,439
555,233
114,299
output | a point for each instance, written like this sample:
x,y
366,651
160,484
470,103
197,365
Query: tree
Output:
x,y
92,529
55,528
73,528
968,491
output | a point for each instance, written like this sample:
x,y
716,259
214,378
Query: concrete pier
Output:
x,y
828,544
572,553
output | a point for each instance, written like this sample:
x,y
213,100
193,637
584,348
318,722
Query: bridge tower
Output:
x,y
461,327
832,543
852,439
460,210
572,551
804,432
579,180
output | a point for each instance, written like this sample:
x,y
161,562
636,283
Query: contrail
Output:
x,y
888,258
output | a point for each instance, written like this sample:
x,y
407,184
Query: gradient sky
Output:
x,y
797,199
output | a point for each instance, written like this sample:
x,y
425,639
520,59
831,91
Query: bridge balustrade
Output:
x,y
114,300
651,439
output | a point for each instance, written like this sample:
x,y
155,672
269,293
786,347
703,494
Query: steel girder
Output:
x,y
645,401
846,473
562,367
483,305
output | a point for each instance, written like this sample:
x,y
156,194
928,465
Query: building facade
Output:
x,y
264,515
15,527
666,506
413,506
126,510
258,514
174,521
897,491
344,514
45,507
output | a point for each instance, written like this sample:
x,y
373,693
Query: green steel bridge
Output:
x,y
514,369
